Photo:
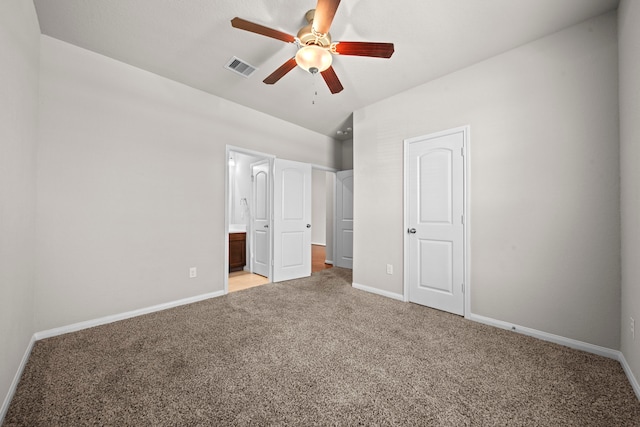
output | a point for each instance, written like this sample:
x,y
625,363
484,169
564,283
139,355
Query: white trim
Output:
x,y
323,168
545,336
16,379
466,209
319,244
629,372
264,156
121,316
567,342
328,261
376,291
405,221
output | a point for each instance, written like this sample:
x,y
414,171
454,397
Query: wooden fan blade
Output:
x,y
377,50
331,79
280,72
325,11
261,29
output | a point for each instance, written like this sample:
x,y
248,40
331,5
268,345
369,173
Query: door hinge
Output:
x,y
462,151
462,288
462,219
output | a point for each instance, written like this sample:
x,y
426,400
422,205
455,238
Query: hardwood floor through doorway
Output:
x,y
318,257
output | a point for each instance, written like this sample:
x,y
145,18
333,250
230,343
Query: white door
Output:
x,y
291,220
260,233
435,232
344,219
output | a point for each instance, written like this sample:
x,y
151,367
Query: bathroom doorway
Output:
x,y
246,210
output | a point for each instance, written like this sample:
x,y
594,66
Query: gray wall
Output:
x,y
131,176
545,222
347,154
330,186
318,207
629,41
240,187
19,52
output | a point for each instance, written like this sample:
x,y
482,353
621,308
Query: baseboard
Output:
x,y
318,244
376,291
328,261
545,336
121,316
16,380
629,372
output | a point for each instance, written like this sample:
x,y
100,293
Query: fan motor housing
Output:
x,y
308,36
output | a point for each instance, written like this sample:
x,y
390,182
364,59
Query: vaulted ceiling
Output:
x,y
190,41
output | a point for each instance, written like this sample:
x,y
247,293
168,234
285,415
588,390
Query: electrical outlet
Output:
x,y
632,327
389,269
193,272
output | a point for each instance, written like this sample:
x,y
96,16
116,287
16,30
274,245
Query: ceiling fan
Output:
x,y
315,49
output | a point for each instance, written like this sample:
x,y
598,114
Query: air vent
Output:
x,y
238,66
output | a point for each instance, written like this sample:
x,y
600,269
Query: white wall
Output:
x,y
330,186
19,52
131,176
240,186
318,207
629,48
545,228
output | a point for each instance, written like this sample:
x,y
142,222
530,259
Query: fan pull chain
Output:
x,y
315,89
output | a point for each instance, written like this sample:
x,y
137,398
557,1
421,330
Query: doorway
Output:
x,y
436,218
250,211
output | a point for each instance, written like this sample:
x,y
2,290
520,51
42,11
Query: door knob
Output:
x,y
308,225
411,231
266,226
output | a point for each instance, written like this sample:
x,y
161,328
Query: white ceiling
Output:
x,y
190,41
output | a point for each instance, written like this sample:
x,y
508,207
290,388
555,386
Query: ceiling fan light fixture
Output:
x,y
314,59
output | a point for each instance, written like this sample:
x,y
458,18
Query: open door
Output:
x,y
291,220
260,233
344,219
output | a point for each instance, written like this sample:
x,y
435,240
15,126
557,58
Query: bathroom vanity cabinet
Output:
x,y
237,251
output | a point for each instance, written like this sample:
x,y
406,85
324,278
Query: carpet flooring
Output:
x,y
314,351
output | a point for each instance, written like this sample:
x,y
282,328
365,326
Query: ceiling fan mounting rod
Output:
x,y
309,36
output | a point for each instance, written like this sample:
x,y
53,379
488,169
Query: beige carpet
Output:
x,y
315,352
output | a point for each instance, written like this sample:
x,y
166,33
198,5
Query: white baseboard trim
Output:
x,y
627,370
318,244
121,316
545,336
376,291
328,261
568,342
16,380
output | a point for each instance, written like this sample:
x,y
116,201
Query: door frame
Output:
x,y
271,158
466,170
228,150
